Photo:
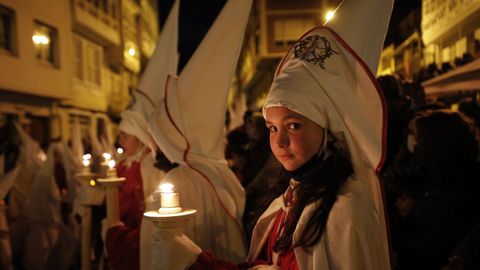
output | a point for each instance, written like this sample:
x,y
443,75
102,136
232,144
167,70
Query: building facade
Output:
x,y
273,27
63,61
444,53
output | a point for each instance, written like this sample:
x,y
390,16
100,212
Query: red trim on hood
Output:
x,y
146,96
384,111
185,153
369,74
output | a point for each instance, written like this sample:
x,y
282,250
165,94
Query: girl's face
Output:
x,y
294,139
129,143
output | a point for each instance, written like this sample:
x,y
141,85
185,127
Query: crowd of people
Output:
x,y
337,170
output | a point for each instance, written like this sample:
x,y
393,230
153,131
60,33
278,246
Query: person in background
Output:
x,y
445,160
129,239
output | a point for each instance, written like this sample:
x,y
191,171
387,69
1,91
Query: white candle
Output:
x,y
86,163
107,156
86,166
111,168
169,202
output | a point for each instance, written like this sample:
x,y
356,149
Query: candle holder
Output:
x,y
111,183
107,169
170,216
88,194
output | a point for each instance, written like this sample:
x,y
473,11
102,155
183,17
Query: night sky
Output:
x,y
197,16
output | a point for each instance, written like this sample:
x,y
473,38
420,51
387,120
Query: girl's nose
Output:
x,y
281,139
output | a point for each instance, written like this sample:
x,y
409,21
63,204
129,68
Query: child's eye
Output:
x,y
293,126
272,129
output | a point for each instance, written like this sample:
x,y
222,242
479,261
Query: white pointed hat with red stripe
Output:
x,y
149,92
188,122
327,76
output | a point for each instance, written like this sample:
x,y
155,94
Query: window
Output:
x,y
93,64
287,31
7,30
46,44
77,58
460,47
105,10
446,54
87,61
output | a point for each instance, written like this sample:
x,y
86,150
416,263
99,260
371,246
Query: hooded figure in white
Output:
x,y
187,125
31,158
135,122
6,182
49,243
327,78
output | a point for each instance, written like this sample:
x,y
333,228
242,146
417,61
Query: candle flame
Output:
x,y
86,162
166,188
111,164
92,182
107,156
120,150
87,156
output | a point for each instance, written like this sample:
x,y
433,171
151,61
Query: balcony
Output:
x,y
97,20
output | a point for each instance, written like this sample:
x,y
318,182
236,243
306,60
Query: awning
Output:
x,y
464,78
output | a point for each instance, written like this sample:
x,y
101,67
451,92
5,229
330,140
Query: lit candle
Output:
x,y
111,168
119,150
107,156
169,202
86,164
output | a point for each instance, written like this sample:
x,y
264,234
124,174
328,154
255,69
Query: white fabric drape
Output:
x,y
187,125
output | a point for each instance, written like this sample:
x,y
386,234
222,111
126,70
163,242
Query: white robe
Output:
x,y
49,244
351,240
151,178
211,228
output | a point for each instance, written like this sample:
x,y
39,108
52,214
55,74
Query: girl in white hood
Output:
x,y
327,121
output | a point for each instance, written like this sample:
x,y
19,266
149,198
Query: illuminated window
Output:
x,y
446,54
460,47
46,45
7,30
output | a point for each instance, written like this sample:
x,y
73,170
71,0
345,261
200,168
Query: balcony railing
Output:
x,y
106,13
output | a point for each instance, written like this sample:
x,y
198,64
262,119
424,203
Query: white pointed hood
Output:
x,y
363,26
150,89
196,100
325,79
43,200
97,148
77,144
164,61
30,151
188,123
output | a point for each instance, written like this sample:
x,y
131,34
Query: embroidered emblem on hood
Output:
x,y
314,49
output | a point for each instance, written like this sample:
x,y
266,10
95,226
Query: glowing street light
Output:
x,y
329,15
